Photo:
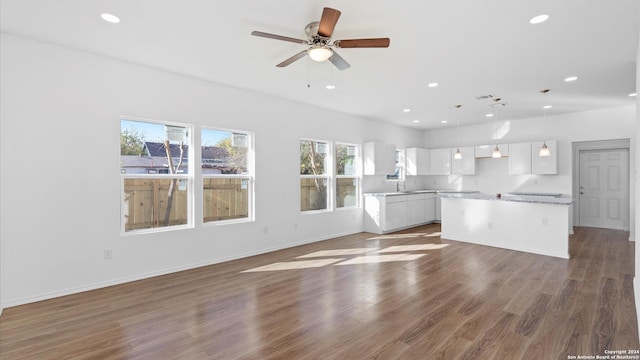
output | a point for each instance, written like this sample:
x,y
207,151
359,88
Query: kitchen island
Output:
x,y
534,224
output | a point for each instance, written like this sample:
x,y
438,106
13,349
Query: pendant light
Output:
x,y
544,149
458,153
496,154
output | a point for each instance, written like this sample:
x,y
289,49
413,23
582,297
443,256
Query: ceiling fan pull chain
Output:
x,y
308,74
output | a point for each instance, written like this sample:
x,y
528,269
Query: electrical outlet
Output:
x,y
265,230
295,225
108,254
490,225
545,221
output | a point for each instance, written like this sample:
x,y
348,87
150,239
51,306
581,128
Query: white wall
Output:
x,y
60,182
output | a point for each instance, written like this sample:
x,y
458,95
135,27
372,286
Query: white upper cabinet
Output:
x,y
544,165
520,158
485,151
440,161
466,165
418,161
379,159
524,158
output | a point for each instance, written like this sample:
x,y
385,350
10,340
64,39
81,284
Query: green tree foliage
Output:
x,y
236,156
343,159
131,142
311,162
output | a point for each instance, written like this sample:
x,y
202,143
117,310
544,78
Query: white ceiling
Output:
x,y
469,47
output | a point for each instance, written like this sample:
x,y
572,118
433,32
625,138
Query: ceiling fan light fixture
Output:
x,y
320,53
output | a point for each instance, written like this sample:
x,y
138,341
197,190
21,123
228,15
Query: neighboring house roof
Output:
x,y
136,161
214,152
157,149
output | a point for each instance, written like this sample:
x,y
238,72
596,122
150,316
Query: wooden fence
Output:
x,y
313,195
225,199
146,203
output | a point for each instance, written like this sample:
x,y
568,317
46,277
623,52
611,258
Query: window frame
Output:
x,y
250,176
357,176
189,177
401,165
328,175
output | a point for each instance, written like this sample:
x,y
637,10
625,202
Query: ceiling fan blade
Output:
x,y
328,22
295,57
278,37
363,43
339,62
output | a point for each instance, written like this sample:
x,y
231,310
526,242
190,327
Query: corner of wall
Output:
x,y
636,281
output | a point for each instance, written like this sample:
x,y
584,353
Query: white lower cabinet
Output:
x,y
430,207
395,214
385,214
415,209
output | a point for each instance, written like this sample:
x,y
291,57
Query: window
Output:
x,y
399,174
156,179
227,176
347,177
315,176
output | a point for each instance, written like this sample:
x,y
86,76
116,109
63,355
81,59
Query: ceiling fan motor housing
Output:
x,y
312,34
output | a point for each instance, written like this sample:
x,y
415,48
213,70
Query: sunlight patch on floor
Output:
x,y
419,247
295,265
337,252
374,259
405,236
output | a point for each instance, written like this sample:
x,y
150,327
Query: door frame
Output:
x,y
613,144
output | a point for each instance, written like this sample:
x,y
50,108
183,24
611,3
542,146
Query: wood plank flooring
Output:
x,y
407,295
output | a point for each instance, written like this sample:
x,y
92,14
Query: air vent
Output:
x,y
485,97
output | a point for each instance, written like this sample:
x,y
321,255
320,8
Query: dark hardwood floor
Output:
x,y
407,295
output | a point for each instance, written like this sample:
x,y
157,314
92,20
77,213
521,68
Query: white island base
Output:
x,y
531,227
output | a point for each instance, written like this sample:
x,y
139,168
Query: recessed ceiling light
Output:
x,y
416,121
330,87
433,84
547,107
539,19
633,94
406,110
110,18
443,121
570,78
489,115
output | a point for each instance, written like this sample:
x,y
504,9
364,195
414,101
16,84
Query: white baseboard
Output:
x,y
76,290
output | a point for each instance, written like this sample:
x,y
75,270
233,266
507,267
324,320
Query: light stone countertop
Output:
x,y
537,199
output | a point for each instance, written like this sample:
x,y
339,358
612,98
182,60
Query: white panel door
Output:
x,y
604,188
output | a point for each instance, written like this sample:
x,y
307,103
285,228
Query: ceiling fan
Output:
x,y
319,38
